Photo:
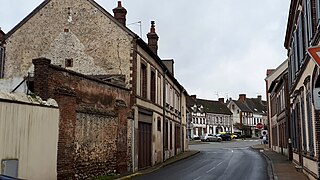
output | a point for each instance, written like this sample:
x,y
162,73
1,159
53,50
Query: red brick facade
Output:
x,y
93,121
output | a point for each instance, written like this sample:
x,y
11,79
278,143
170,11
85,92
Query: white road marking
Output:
x,y
198,178
214,167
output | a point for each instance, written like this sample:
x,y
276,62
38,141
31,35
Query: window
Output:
x,y
300,40
153,87
69,63
159,89
309,118
170,135
165,138
143,81
318,11
304,138
159,123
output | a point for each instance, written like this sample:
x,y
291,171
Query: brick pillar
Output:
x,y
41,77
66,144
122,158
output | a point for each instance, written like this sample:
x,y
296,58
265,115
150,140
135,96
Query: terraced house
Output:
x,y
303,74
279,109
247,114
82,38
209,116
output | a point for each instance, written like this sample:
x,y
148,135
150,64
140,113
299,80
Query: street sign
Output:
x,y
259,126
316,96
314,52
264,133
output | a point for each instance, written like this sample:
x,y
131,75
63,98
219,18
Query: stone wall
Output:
x,y
93,138
77,30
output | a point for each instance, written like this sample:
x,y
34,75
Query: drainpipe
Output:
x,y
164,111
181,127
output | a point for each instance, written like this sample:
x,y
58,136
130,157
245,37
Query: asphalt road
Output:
x,y
216,161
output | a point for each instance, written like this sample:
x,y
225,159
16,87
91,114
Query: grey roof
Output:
x,y
209,106
254,105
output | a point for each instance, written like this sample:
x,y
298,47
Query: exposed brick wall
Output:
x,y
66,147
96,144
93,121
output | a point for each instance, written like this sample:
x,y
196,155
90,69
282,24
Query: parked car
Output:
x,y
210,137
225,137
196,137
4,177
234,136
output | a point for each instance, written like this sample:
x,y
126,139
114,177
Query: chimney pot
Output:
x,y
242,97
120,13
221,100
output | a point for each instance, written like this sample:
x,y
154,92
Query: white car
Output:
x,y
210,137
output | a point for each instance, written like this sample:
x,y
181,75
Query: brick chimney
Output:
x,y
153,38
120,13
259,97
242,97
269,71
221,100
193,96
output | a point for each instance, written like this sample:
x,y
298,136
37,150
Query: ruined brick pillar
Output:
x,y
122,146
41,77
66,99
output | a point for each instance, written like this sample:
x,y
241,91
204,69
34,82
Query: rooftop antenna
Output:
x,y
217,93
139,23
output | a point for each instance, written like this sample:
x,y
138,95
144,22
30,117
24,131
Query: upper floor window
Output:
x,y
153,87
143,81
308,25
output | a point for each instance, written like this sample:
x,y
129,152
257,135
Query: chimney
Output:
x,y
269,71
221,100
2,34
242,98
153,38
259,97
120,13
193,96
169,64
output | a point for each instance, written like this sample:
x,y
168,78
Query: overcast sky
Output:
x,y
221,48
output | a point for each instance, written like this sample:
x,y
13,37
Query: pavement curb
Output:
x,y
271,170
157,167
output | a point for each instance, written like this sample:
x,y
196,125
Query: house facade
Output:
x,y
83,37
302,32
279,110
209,117
249,115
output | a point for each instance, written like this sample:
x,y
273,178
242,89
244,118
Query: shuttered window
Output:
x,y
301,46
318,12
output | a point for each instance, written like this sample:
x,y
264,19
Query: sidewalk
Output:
x,y
279,167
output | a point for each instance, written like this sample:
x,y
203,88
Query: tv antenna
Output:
x,y
139,23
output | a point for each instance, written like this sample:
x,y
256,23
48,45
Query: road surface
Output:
x,y
217,161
